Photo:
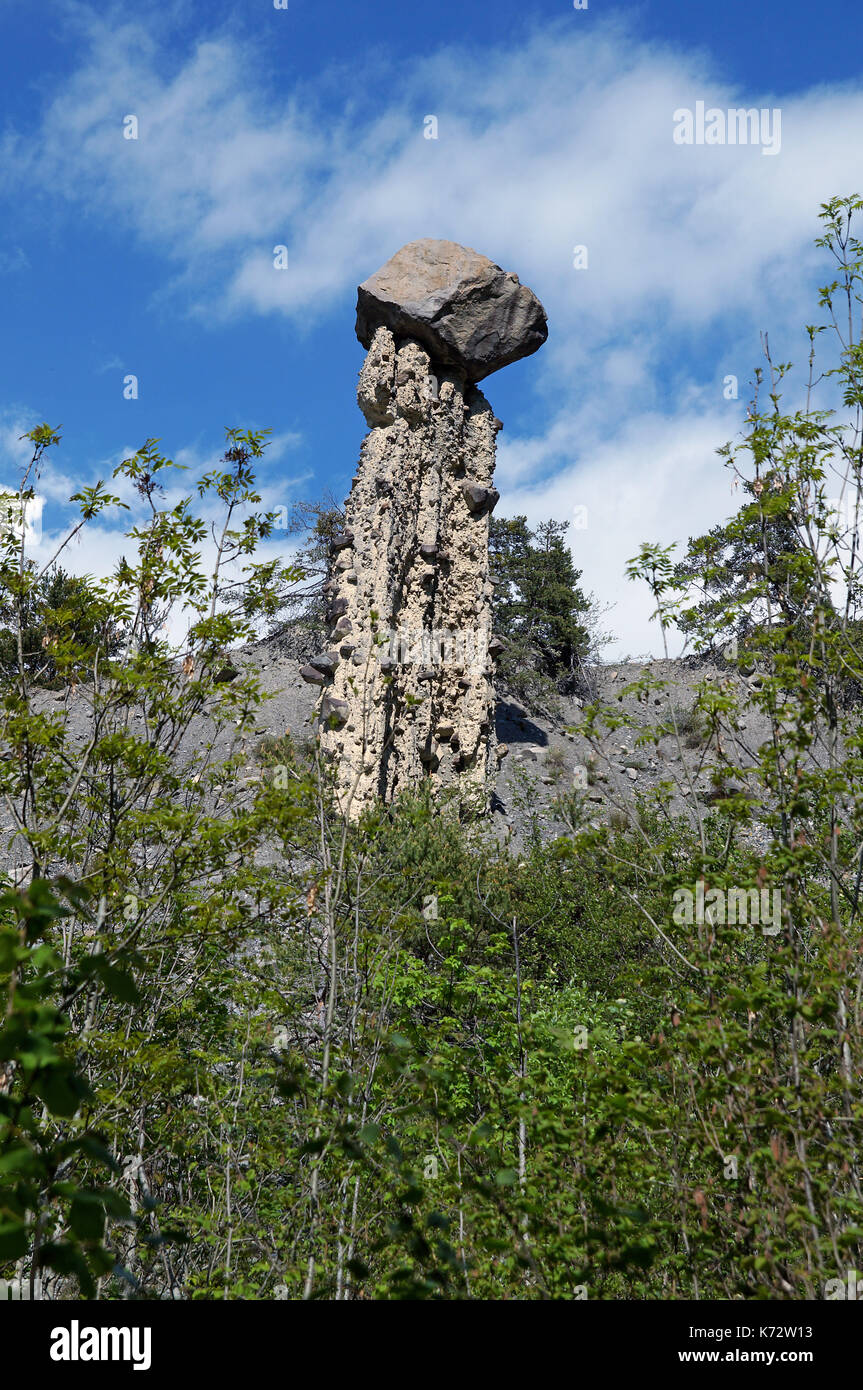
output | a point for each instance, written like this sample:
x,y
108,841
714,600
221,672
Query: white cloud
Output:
x,y
639,485
15,450
111,364
566,140
13,260
563,140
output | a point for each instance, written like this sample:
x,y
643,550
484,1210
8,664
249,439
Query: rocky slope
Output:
x,y
540,758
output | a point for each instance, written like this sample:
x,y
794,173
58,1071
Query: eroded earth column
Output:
x,y
407,676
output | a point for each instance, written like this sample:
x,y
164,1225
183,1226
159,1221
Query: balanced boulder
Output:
x,y
466,311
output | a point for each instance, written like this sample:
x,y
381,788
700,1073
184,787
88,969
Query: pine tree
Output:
x,y
537,606
59,614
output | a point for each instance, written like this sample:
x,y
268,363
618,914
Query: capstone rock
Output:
x,y
463,309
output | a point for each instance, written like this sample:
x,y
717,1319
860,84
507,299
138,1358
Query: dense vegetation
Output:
x,y
248,1051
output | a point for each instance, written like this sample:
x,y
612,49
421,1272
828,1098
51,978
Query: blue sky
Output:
x,y
304,127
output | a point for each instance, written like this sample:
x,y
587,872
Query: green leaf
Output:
x,y
118,984
10,945
61,1091
67,1259
14,1240
87,1217
19,1160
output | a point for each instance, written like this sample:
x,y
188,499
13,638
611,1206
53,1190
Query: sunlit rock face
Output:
x,y
466,311
407,674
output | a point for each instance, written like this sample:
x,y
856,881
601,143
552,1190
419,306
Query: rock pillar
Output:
x,y
407,677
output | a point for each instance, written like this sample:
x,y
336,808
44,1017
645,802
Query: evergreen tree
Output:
x,y
57,612
537,606
302,602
